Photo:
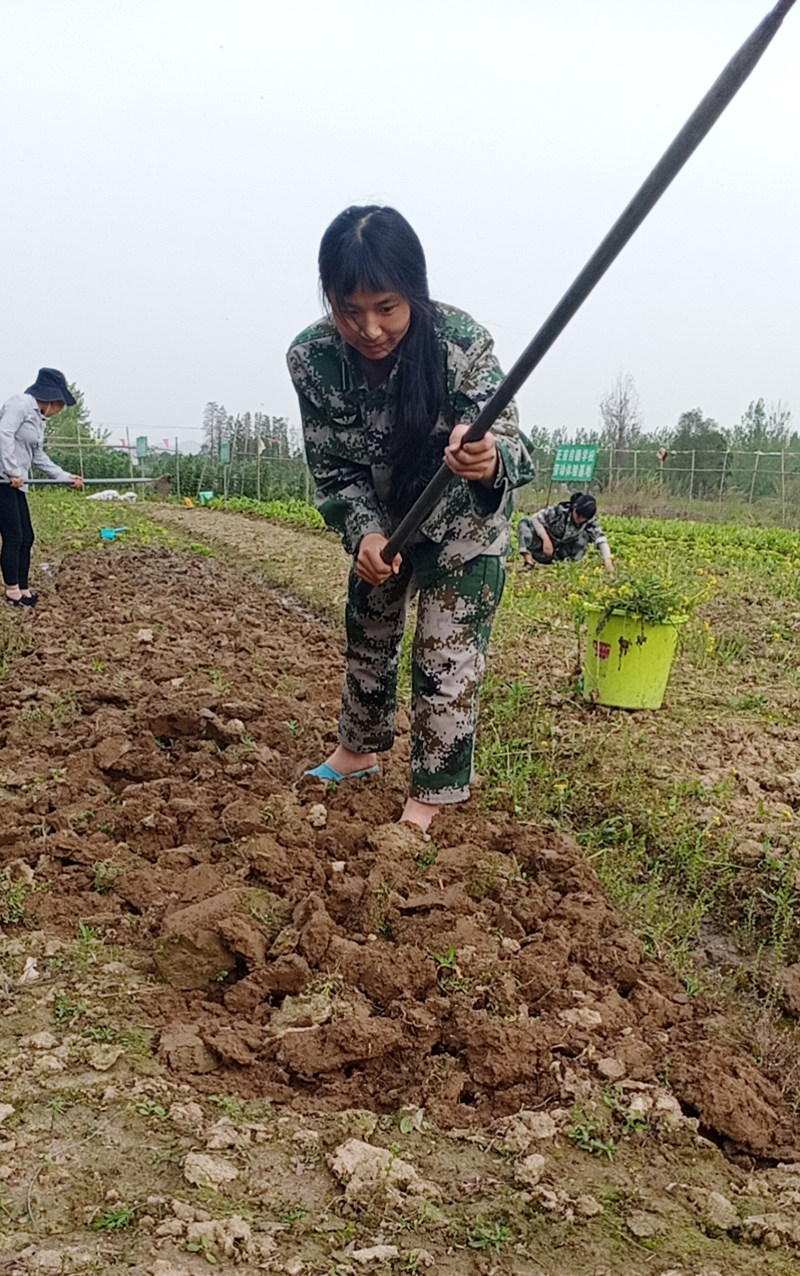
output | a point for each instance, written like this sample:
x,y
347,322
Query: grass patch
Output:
x,y
629,787
66,520
291,510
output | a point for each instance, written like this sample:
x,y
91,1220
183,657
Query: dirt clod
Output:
x,y
207,1171
369,1172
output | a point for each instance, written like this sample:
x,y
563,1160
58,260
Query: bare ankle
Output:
x,y
345,760
420,813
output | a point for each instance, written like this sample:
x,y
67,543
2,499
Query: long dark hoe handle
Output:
x,y
668,167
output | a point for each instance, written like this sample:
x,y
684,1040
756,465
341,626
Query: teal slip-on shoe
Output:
x,y
330,776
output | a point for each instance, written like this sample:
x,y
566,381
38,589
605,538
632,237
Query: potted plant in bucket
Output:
x,y
633,622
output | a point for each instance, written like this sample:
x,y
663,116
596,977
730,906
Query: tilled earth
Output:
x,y
259,937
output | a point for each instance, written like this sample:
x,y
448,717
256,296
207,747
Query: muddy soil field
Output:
x,y
251,1020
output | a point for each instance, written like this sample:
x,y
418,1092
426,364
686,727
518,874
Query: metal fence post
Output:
x,y
753,480
635,468
722,479
691,478
130,454
177,468
783,488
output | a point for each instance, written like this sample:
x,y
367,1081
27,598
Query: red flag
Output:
x,y
166,443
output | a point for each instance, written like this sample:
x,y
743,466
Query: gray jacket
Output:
x,y
22,441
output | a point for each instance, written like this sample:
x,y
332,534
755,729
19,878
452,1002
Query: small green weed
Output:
x,y
586,1133
484,1235
451,978
106,873
202,1245
294,1215
12,899
66,1011
751,701
88,934
426,857
152,1108
65,708
56,1107
114,1220
104,1032
634,1121
31,719
227,1104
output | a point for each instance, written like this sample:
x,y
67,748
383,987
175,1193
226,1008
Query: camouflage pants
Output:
x,y
455,611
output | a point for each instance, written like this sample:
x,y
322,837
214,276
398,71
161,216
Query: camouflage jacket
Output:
x,y
569,540
346,428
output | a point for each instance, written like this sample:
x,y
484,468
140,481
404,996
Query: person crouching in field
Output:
x,y
563,531
388,383
22,426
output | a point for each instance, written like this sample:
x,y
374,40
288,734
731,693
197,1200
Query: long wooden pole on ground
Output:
x,y
722,91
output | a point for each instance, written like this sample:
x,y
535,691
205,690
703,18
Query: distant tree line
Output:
x,y
701,455
248,435
265,453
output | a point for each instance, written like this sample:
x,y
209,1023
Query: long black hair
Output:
x,y
376,249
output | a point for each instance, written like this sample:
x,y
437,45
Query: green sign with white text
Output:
x,y
225,453
575,462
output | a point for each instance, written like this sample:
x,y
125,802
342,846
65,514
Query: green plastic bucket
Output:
x,y
627,662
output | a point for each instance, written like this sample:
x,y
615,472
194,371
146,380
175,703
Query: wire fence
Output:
x,y
263,476
696,478
706,482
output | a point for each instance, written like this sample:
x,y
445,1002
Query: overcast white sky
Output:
x,y
168,168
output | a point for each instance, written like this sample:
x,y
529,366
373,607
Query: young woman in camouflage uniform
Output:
x,y
388,383
562,531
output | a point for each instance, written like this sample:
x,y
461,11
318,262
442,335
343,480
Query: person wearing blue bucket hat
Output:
x,y
22,430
